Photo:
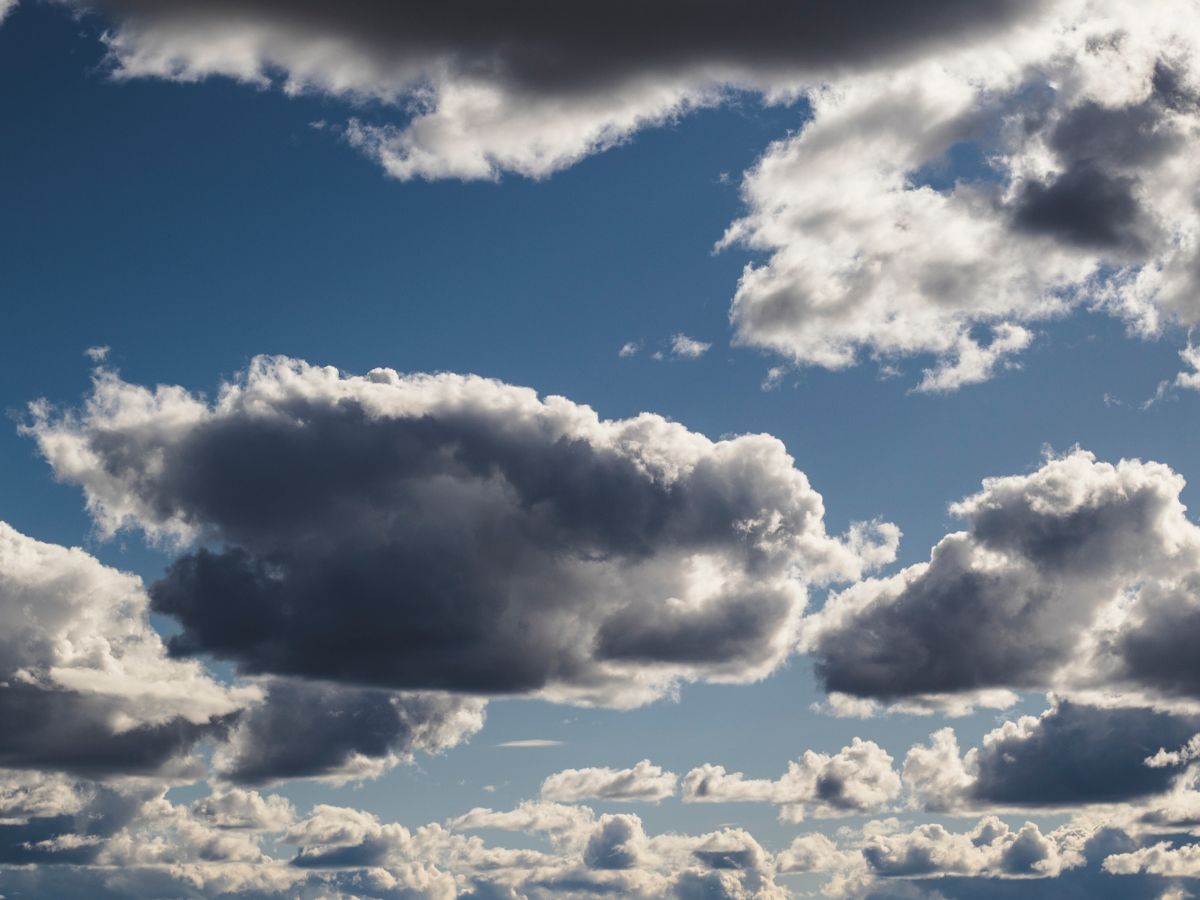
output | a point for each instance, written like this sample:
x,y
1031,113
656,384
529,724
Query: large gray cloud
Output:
x,y
528,87
1033,594
455,533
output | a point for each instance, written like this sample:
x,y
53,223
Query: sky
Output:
x,y
541,451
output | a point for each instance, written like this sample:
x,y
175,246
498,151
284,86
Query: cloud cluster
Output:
x,y
857,779
1079,576
939,207
92,840
442,532
991,849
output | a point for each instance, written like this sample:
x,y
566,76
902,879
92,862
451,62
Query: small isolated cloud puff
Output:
x,y
684,347
446,532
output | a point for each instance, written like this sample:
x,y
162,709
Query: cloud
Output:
x,y
644,782
97,354
530,743
1161,859
338,734
476,92
990,850
971,363
685,347
6,7
814,852
46,818
617,843
857,779
86,685
455,533
245,810
1068,756
1073,577
938,207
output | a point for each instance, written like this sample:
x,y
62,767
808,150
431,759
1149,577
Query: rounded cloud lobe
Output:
x,y
1059,581
86,684
454,533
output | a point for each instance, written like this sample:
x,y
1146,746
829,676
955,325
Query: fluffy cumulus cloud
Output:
x,y
858,778
86,684
991,849
92,840
1079,576
445,532
645,782
939,207
1069,756
477,91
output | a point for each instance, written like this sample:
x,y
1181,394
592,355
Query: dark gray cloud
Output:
x,y
1084,206
545,46
438,532
1078,754
1100,149
313,730
614,843
73,732
1158,647
475,90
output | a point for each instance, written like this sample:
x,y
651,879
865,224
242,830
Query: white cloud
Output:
x,y
85,681
643,782
859,778
685,347
1082,121
991,850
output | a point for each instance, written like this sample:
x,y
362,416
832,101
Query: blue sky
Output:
x,y
192,225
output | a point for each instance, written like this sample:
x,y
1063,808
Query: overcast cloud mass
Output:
x,y
478,494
